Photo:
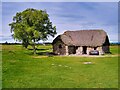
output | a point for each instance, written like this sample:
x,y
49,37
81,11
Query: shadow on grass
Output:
x,y
46,53
39,49
41,53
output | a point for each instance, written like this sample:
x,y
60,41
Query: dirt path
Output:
x,y
116,55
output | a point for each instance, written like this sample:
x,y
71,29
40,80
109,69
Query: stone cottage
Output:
x,y
81,42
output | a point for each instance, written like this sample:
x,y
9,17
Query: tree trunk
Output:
x,y
34,49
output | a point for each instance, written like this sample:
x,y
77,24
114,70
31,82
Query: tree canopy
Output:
x,y
32,25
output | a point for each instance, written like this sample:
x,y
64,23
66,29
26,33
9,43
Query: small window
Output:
x,y
60,46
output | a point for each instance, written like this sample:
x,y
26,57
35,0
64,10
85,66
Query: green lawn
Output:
x,y
22,69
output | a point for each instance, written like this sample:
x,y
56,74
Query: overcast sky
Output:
x,y
67,16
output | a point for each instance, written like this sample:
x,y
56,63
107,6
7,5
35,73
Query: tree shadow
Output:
x,y
41,52
46,53
38,49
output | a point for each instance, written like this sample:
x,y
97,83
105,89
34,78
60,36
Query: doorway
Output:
x,y
84,49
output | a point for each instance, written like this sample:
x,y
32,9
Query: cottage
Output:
x,y
81,42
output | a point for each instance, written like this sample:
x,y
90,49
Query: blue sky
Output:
x,y
67,16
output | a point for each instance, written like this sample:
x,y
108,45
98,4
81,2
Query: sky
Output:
x,y
66,16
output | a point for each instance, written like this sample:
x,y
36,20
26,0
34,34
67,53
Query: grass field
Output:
x,y
22,69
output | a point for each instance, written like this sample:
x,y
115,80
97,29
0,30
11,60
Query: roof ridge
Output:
x,y
84,30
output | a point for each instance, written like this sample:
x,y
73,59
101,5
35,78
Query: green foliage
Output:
x,y
22,70
32,25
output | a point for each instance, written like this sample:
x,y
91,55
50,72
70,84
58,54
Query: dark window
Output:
x,y
60,46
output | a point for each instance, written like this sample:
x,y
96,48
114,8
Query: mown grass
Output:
x,y
22,69
0,66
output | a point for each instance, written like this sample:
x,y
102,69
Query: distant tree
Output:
x,y
32,25
6,42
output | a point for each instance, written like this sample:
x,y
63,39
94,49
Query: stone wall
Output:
x,y
79,51
105,49
59,48
100,50
66,50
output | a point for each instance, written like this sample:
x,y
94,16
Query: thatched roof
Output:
x,y
83,38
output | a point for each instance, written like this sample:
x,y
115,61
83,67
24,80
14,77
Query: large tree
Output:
x,y
30,26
